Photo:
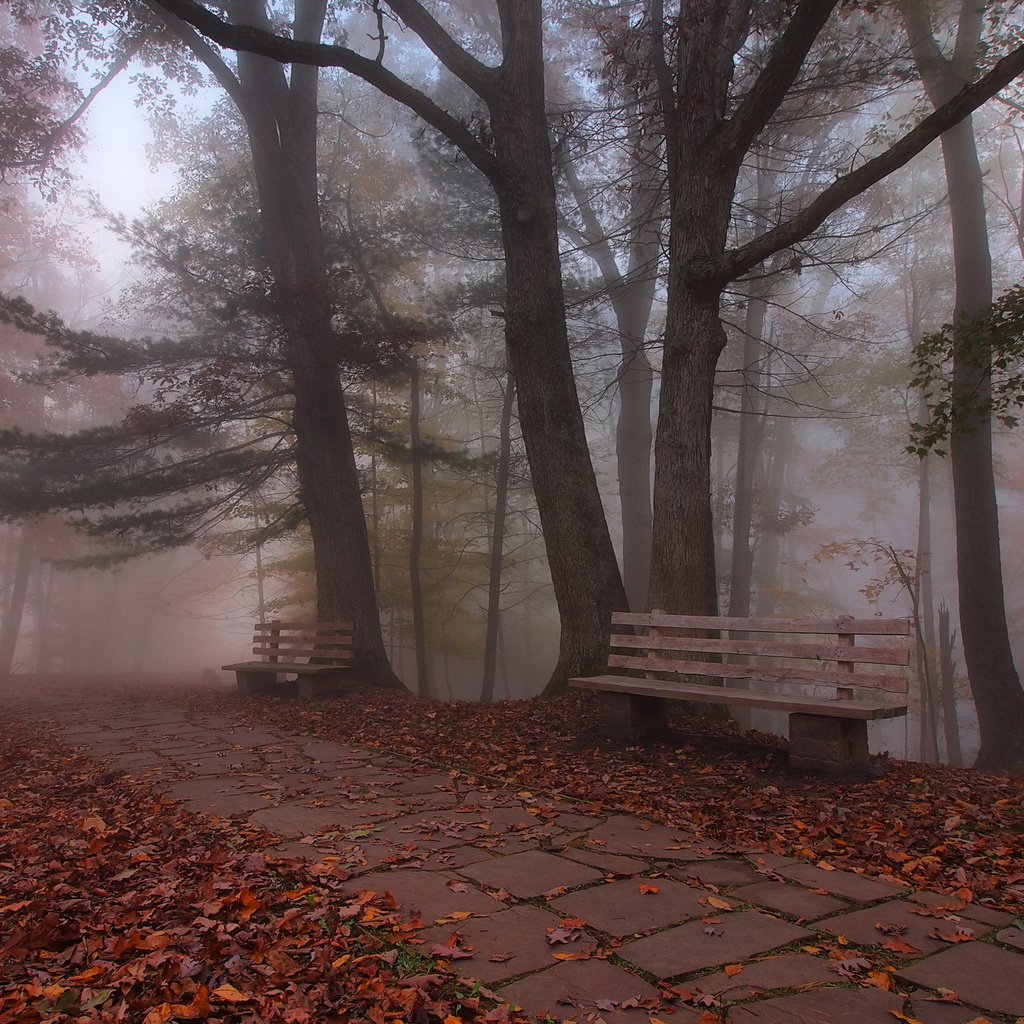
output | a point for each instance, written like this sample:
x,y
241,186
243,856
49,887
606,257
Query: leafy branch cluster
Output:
x,y
990,347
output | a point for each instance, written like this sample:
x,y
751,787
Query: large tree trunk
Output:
x,y
584,571
281,118
995,684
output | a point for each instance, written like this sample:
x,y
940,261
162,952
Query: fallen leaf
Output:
x,y
899,1015
733,969
851,966
718,903
648,890
959,933
582,955
899,946
230,994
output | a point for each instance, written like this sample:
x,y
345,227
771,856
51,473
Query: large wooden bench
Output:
x,y
813,669
317,653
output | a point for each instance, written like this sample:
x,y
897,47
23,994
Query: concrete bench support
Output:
x,y
818,743
630,717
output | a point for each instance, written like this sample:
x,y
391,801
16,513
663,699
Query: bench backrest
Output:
x,y
327,643
683,644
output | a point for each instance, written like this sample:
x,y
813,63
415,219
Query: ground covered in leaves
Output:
x,y
116,905
954,830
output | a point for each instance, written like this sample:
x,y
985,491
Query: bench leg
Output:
x,y
629,716
250,683
321,685
823,744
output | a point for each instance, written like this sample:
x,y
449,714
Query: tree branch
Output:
x,y
483,80
293,51
780,71
737,262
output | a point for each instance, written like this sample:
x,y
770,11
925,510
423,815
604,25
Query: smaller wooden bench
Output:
x,y
830,697
318,653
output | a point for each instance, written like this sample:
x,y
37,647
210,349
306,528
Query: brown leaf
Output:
x,y
733,969
958,933
584,954
648,890
230,994
899,946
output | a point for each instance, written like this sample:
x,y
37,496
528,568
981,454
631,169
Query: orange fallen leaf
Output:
x,y
718,903
648,890
733,969
905,1017
582,955
229,994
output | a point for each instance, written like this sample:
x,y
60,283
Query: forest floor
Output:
x,y
117,900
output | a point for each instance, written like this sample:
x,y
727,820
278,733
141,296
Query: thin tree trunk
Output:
x,y
497,543
947,674
419,625
44,645
11,626
770,547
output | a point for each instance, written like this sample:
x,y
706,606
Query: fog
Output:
x,y
162,493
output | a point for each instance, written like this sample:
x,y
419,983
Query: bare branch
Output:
x,y
293,51
780,71
483,80
737,262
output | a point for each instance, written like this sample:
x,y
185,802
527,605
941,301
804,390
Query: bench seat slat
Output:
x,y
864,627
763,648
306,627
759,673
304,650
296,668
835,708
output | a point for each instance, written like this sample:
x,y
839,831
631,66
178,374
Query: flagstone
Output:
x,y
1012,937
610,863
292,820
791,970
636,837
959,908
834,1005
943,1013
859,927
695,945
531,873
427,895
623,908
508,943
840,883
719,872
793,900
576,989
979,973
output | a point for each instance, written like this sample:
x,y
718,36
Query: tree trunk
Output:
x,y
995,685
584,571
770,548
281,117
947,675
419,625
751,433
683,566
497,544
11,626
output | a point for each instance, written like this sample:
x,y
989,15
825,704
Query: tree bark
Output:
x,y
11,626
419,624
584,571
995,684
497,544
281,118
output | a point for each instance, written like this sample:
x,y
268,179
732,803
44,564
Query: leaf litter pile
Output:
x,y
957,831
116,905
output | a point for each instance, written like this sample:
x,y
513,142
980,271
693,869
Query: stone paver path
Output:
x,y
579,916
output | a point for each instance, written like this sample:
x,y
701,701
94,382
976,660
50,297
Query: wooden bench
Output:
x,y
318,653
816,664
